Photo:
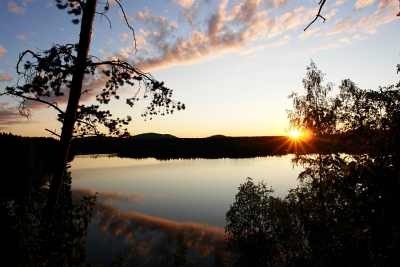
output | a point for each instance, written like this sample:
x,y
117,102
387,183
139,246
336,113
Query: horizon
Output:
x,y
233,64
149,133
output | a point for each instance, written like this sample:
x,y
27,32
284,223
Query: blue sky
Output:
x,y
233,63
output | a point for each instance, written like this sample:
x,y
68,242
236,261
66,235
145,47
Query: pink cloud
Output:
x,y
10,116
384,14
124,37
3,51
21,37
109,197
184,3
5,77
280,42
18,9
360,4
14,8
277,3
226,29
308,33
339,3
190,14
156,236
143,15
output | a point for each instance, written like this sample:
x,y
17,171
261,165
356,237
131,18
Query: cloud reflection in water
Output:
x,y
153,238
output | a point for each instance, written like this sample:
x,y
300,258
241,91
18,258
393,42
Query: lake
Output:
x,y
145,203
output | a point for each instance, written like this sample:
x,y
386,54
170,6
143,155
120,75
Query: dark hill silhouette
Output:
x,y
152,136
217,136
164,146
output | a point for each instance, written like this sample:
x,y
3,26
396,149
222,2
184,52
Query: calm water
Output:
x,y
146,202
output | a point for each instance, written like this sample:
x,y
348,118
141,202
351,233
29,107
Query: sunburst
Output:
x,y
295,134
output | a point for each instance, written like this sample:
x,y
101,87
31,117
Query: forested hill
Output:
x,y
168,146
165,146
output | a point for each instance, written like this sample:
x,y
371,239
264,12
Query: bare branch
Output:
x,y
321,3
102,14
53,133
53,105
127,23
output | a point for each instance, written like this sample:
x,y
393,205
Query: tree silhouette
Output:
x,y
345,210
181,252
48,73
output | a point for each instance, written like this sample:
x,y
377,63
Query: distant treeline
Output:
x,y
167,147
17,151
23,160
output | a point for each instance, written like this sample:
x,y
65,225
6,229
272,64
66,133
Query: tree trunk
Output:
x,y
69,119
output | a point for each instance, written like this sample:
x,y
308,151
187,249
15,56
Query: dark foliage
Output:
x,y
27,167
345,210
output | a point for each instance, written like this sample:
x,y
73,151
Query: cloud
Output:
x,y
10,116
141,40
21,37
253,49
154,238
143,16
233,26
384,14
245,11
281,42
360,4
124,37
277,3
226,29
184,3
126,17
5,77
14,8
330,14
3,51
308,33
339,3
335,45
109,197
190,14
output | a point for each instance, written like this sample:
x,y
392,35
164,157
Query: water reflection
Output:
x,y
146,202
154,238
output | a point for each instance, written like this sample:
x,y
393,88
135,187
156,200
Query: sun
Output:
x,y
294,134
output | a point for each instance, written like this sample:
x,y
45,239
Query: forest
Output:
x,y
161,147
344,211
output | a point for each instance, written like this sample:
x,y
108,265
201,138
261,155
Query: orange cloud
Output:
x,y
384,14
21,37
5,77
3,51
184,3
360,4
124,37
9,116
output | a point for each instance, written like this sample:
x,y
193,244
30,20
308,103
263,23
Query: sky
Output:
x,y
233,63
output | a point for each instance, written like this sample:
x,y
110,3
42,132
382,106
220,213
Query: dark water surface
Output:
x,y
145,202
